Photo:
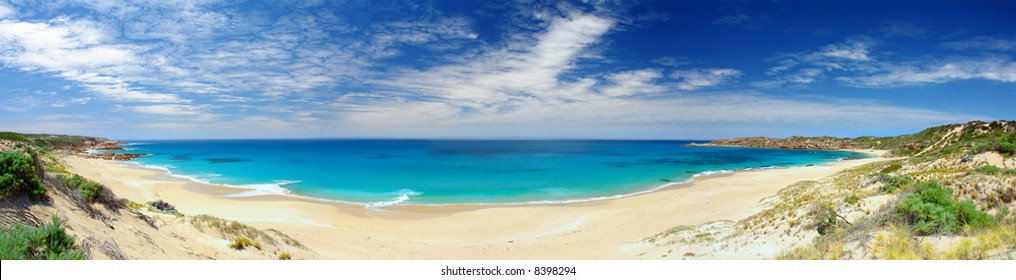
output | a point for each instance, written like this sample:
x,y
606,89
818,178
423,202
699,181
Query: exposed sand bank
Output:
x,y
586,230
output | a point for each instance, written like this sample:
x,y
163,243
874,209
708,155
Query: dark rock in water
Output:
x,y
809,165
225,160
162,206
114,156
665,180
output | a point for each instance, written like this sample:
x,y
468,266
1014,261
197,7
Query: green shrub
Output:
x,y
46,242
893,183
988,169
285,256
87,189
892,167
18,172
967,214
1007,148
12,136
931,209
852,199
980,148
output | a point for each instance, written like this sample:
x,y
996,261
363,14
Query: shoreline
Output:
x,y
286,193
601,229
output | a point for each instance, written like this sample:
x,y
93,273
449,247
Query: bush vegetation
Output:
x,y
12,136
285,256
17,173
894,183
930,209
46,242
852,199
893,167
988,169
87,189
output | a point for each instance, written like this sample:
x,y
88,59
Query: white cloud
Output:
x,y
525,70
5,11
77,51
69,102
700,78
196,112
440,33
852,63
518,91
983,43
1000,69
853,49
633,82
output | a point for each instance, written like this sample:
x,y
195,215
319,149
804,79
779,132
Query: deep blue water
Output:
x,y
455,171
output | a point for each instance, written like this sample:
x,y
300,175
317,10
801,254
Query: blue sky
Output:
x,y
494,69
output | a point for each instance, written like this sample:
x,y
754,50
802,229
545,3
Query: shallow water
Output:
x,y
388,172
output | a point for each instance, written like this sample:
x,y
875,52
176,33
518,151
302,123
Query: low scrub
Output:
x,y
18,173
45,242
894,183
87,189
930,209
988,169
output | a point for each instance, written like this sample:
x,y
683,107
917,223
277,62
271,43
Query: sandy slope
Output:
x,y
609,229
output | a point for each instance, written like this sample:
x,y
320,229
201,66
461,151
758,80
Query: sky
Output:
x,y
498,69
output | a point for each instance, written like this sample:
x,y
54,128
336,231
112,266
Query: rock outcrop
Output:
x,y
108,146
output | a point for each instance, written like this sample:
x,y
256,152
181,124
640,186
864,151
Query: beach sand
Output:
x,y
606,229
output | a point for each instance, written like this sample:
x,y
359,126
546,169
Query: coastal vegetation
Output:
x,y
947,195
19,173
931,209
87,189
44,242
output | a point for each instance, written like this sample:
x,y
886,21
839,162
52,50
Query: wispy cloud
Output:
x,y
1001,69
853,63
983,43
76,50
856,48
700,78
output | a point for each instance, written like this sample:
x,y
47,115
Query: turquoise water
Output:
x,y
387,172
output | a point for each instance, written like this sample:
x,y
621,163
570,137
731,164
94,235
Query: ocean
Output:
x,y
379,173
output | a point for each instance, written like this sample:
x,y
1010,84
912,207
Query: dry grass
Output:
x,y
233,230
241,243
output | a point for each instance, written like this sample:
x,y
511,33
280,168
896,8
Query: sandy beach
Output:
x,y
607,229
